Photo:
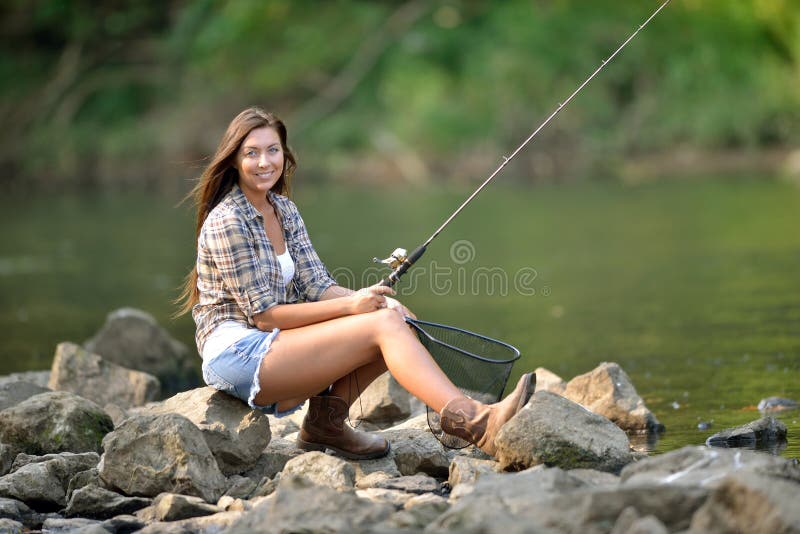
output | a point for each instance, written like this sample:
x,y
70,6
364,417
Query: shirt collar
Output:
x,y
240,200
247,208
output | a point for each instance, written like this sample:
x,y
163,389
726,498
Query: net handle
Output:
x,y
417,324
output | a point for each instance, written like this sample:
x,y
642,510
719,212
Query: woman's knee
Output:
x,y
389,323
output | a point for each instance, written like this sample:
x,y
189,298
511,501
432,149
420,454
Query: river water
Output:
x,y
692,286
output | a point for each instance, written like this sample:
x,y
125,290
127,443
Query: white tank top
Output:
x,y
287,266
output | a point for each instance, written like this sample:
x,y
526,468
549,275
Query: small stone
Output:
x,y
764,430
173,507
468,470
98,503
240,487
322,469
122,524
64,526
777,404
396,498
417,484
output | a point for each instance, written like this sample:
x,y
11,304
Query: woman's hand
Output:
x,y
370,299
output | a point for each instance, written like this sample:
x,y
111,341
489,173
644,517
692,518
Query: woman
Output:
x,y
255,263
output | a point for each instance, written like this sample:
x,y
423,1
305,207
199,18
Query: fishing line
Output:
x,y
400,261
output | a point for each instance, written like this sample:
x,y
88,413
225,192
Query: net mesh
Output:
x,y
478,365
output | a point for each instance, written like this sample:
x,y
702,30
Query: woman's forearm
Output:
x,y
286,316
334,292
336,301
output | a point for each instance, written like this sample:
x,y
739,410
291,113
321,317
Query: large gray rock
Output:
x,y
705,467
60,525
554,504
12,393
122,524
7,455
760,431
607,390
555,431
133,339
38,378
53,422
235,433
382,403
416,451
209,524
18,511
42,484
301,506
90,376
746,502
151,454
98,503
9,526
321,469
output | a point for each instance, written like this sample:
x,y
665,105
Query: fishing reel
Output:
x,y
395,259
399,261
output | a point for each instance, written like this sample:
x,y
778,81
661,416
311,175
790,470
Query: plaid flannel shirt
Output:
x,y
238,274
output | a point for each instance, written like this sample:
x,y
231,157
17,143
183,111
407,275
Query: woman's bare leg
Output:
x,y
303,361
348,387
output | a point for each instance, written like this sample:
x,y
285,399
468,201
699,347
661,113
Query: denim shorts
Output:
x,y
235,370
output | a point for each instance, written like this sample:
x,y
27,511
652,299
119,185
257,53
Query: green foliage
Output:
x,y
438,78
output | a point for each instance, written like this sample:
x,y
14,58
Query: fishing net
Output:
x,y
478,365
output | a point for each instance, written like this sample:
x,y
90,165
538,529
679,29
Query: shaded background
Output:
x,y
659,211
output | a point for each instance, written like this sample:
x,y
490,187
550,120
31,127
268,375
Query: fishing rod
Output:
x,y
400,261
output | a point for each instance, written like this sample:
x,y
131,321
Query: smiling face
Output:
x,y
260,163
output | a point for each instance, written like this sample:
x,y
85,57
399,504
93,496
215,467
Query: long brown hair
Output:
x,y
221,174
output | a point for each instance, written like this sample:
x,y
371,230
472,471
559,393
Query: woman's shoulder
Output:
x,y
226,213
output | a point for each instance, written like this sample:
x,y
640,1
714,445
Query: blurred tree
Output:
x,y
126,91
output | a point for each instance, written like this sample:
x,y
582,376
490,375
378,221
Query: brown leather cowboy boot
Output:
x,y
324,428
479,423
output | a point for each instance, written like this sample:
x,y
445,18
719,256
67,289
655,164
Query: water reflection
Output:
x,y
643,441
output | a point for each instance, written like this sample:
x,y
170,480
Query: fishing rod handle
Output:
x,y
394,277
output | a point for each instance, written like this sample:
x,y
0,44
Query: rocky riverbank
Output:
x,y
94,451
